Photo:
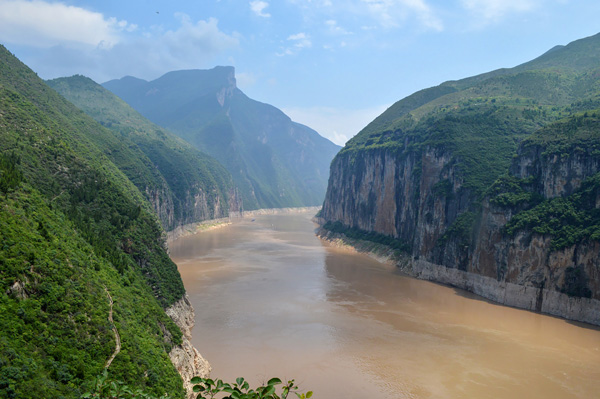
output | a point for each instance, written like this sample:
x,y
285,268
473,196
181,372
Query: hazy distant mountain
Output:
x,y
183,185
274,161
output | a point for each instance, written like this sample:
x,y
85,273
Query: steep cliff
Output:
x,y
185,357
489,184
183,184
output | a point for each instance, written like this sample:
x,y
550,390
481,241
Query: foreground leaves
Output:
x,y
208,388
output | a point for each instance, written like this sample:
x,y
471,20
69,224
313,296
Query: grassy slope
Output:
x,y
72,224
176,167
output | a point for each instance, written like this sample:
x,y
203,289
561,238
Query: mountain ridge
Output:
x,y
460,175
264,150
189,186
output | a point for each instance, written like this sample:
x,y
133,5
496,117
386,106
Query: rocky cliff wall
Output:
x,y
185,357
457,238
194,207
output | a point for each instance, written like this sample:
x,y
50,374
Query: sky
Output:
x,y
331,65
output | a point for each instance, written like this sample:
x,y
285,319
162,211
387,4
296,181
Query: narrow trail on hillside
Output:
x,y
117,337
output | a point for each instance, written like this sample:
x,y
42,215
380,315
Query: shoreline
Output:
x,y
211,224
543,301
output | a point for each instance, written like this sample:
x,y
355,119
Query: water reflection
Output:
x,y
272,300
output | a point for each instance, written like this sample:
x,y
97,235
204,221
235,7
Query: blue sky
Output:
x,y
332,65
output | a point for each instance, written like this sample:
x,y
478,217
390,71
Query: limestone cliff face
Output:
x,y
185,357
420,198
195,206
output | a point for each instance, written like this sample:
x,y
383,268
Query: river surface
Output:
x,y
272,300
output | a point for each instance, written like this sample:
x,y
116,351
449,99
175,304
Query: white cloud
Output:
x,y
336,124
300,41
393,13
258,7
493,10
335,28
43,24
147,55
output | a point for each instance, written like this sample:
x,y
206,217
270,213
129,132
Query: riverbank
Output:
x,y
211,224
541,300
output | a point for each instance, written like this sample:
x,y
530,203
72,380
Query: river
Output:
x,y
272,300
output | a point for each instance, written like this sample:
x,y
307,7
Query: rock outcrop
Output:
x,y
455,238
185,357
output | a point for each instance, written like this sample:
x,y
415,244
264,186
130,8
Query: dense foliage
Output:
x,y
72,225
567,221
240,389
164,168
359,234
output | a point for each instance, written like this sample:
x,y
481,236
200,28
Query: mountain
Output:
x,y
183,184
79,243
274,161
488,183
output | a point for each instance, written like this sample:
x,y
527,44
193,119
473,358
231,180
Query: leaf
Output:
x,y
309,394
269,390
196,380
198,388
274,381
239,380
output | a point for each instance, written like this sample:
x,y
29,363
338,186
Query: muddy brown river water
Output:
x,y
271,300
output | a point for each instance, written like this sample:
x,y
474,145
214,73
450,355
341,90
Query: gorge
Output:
x,y
488,183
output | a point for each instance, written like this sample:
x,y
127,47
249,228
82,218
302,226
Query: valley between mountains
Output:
x,y
490,184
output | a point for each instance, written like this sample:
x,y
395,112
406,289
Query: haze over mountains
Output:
x,y
274,161
183,185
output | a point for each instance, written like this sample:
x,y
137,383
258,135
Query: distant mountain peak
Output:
x,y
274,161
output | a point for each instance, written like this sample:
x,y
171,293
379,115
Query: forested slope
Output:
x,y
72,227
183,184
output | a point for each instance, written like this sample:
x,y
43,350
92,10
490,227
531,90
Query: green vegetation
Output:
x,y
104,387
71,224
461,229
568,220
166,169
512,192
359,234
240,389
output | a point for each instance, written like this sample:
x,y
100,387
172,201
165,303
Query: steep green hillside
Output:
x,y
481,119
73,229
274,161
183,184
495,176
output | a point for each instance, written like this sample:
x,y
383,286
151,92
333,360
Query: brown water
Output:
x,y
272,300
